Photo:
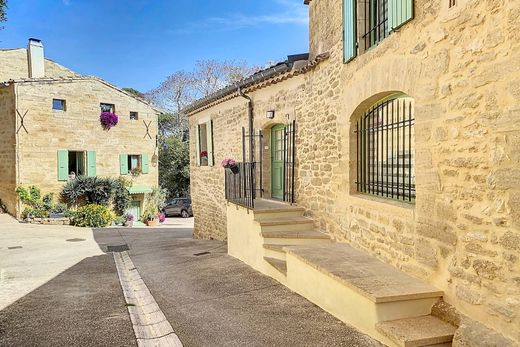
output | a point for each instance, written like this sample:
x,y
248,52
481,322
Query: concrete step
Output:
x,y
278,264
287,224
275,213
378,281
306,237
274,251
418,331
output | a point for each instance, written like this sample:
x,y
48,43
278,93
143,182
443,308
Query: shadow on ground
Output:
x,y
82,306
212,299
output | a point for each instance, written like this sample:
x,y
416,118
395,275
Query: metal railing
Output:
x,y
376,22
386,150
289,160
240,186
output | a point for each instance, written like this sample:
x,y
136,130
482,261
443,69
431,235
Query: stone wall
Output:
x,y
460,66
7,148
14,65
78,129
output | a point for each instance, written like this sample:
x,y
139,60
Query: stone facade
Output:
x,y
30,158
460,65
15,65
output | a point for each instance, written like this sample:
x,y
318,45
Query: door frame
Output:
x,y
273,151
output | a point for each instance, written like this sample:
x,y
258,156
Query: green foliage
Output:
x,y
134,92
174,166
3,10
93,216
121,196
36,205
153,203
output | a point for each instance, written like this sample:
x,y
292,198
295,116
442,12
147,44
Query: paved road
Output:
x,y
64,293
212,299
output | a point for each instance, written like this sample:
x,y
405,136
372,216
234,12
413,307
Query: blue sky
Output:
x,y
137,43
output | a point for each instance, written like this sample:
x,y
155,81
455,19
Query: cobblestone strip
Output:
x,y
151,327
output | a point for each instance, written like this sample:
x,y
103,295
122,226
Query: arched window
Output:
x,y
386,150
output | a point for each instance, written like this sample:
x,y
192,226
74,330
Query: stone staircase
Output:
x,y
375,297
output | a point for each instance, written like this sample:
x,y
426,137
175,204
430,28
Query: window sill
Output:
x,y
400,208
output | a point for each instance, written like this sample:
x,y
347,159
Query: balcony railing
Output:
x,y
240,186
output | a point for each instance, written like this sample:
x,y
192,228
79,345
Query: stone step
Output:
x,y
280,265
378,281
275,251
275,213
305,237
418,331
287,224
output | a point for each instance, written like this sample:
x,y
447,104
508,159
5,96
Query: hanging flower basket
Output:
x,y
230,164
108,120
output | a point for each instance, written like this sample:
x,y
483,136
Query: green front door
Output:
x,y
135,209
277,150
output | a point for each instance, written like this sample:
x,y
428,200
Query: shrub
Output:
x,y
94,216
30,212
36,205
98,191
153,203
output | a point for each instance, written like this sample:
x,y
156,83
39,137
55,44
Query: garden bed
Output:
x,y
48,221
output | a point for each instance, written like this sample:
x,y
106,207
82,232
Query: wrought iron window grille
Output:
x,y
385,146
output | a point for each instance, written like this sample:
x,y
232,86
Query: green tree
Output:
x,y
174,164
132,91
3,10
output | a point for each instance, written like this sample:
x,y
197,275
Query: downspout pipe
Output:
x,y
250,121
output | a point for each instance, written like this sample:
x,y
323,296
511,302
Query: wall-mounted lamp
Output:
x,y
269,114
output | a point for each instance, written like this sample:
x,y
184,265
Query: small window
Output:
x,y
107,108
452,3
58,105
134,162
134,116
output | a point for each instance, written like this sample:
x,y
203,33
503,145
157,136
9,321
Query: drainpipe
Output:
x,y
250,121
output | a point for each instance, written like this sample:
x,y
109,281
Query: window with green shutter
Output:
x,y
204,144
63,165
349,30
145,165
123,164
91,164
368,22
400,12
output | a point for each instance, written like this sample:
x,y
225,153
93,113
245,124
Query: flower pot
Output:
x,y
234,169
129,224
152,223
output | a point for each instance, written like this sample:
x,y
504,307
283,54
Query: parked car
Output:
x,y
178,207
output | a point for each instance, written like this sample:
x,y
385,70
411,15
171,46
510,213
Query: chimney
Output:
x,y
36,59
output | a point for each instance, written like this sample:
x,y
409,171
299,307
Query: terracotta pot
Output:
x,y
152,223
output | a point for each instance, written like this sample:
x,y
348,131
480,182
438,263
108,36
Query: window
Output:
x,y
76,163
107,108
58,105
134,164
452,3
386,150
204,144
134,116
368,22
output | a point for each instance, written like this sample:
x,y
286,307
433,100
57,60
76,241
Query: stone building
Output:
x,y
51,128
407,136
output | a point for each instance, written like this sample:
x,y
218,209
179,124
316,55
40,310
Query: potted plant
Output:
x,y
129,220
154,202
108,120
162,217
136,171
150,218
230,164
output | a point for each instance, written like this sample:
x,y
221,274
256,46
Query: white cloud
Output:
x,y
291,12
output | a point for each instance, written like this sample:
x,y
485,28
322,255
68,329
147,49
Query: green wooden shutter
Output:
x,y
197,144
349,30
63,165
399,12
145,165
209,137
91,164
123,164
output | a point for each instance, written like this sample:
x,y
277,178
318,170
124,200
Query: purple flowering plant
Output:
x,y
162,217
130,217
108,120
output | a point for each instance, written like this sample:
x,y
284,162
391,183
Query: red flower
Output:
x,y
204,154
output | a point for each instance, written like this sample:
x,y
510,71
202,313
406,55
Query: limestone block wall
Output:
x,y
7,148
460,66
14,65
78,129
